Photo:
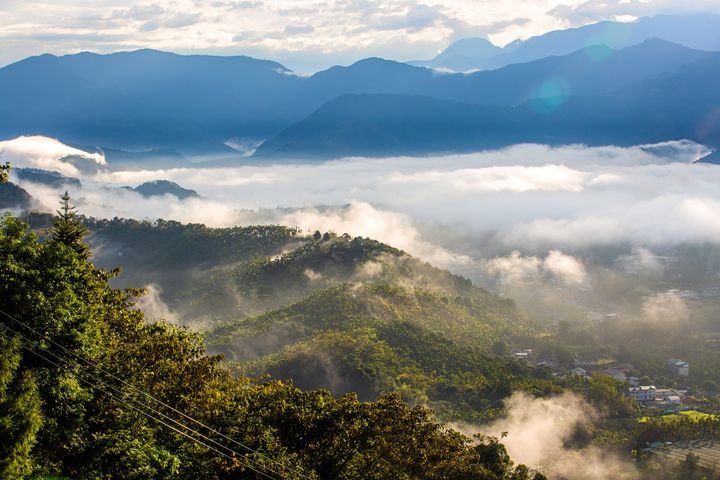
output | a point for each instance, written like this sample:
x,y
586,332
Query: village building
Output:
x,y
679,367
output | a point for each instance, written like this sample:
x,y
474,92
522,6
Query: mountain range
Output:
x,y
681,105
154,109
695,31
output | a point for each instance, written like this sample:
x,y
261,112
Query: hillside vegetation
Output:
x,y
77,359
331,311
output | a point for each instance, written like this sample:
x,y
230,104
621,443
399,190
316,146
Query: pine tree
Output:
x,y
68,229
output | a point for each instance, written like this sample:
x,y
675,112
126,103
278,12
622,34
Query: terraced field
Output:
x,y
707,450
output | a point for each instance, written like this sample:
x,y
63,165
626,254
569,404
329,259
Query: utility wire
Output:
x,y
170,407
235,455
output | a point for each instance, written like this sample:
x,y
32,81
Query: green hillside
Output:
x,y
77,361
330,311
378,338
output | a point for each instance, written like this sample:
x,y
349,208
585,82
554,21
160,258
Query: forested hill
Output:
x,y
328,311
91,389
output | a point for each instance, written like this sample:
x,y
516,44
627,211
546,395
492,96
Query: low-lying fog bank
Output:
x,y
508,217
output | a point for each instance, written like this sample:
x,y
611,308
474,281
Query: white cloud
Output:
x,y
640,260
625,10
666,309
515,267
530,198
537,431
497,179
154,308
518,268
362,219
46,153
565,267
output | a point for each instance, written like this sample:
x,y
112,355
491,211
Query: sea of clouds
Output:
x,y
528,204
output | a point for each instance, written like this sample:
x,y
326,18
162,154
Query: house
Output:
x,y
525,354
616,373
642,393
579,371
679,367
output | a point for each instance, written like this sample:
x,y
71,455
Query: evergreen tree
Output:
x,y
68,229
4,171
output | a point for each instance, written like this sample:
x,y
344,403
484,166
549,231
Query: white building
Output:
x,y
525,354
678,367
579,371
643,393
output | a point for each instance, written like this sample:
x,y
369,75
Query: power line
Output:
x,y
235,457
160,402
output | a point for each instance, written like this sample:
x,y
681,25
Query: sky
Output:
x,y
304,35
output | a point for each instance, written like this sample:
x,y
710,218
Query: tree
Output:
x,y
68,229
709,386
91,430
4,172
20,412
500,348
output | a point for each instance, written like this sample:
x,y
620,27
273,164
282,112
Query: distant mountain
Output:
x,y
45,177
463,55
144,99
672,106
596,69
383,125
149,109
13,197
694,31
158,188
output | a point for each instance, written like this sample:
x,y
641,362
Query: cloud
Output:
x,y
153,306
597,10
497,179
640,260
538,430
46,153
452,210
517,268
566,268
362,219
666,309
298,29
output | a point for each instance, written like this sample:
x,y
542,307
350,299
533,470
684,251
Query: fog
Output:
x,y
457,211
537,432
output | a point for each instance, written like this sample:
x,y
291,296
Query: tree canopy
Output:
x,y
108,395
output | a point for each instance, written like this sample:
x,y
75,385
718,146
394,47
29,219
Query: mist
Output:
x,y
528,211
537,432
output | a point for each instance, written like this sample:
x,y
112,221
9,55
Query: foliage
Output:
x,y
4,172
608,395
377,338
20,415
90,430
68,229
